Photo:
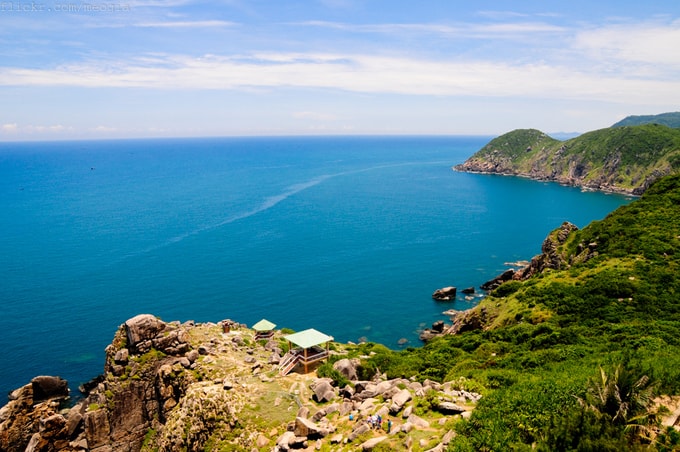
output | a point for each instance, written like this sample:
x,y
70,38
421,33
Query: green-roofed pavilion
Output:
x,y
308,349
264,329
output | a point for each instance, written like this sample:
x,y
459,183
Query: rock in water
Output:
x,y
445,294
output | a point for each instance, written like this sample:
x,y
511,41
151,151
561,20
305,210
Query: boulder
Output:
x,y
304,427
347,392
358,430
371,443
323,391
47,387
468,290
417,421
445,294
285,440
438,326
449,408
399,400
498,280
143,327
347,368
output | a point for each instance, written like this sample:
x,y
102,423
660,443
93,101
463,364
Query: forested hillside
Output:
x,y
585,358
621,159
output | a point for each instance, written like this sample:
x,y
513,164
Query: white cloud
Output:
x,y
462,30
314,116
186,24
103,129
649,43
9,128
357,73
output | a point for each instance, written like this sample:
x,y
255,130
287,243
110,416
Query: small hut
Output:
x,y
310,346
264,329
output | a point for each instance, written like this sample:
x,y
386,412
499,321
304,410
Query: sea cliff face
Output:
x,y
196,387
620,160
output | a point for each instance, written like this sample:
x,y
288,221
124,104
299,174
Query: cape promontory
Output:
x,y
623,159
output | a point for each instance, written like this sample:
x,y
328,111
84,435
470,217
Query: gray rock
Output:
x,y
347,368
284,441
399,400
445,294
371,443
303,412
358,430
449,408
122,356
306,428
418,421
143,327
192,356
323,391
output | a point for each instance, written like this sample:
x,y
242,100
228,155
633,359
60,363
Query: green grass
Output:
x,y
550,336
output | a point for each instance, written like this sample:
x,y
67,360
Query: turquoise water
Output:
x,y
348,235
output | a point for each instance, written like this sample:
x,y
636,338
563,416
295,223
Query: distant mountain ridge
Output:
x,y
625,159
671,119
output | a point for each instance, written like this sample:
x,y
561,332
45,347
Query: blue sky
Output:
x,y
156,68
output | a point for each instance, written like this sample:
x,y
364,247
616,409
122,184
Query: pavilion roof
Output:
x,y
264,325
308,338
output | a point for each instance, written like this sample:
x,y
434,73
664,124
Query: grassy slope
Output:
x,y
553,332
623,157
671,119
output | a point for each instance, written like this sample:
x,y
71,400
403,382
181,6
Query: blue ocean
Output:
x,y
348,235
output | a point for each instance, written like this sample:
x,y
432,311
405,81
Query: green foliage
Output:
x,y
671,119
326,370
582,377
622,157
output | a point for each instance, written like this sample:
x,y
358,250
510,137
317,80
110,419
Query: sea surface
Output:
x,y
348,235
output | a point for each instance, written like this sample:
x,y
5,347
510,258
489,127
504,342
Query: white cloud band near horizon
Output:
x,y
355,73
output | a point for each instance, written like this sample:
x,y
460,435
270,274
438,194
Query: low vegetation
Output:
x,y
589,372
622,159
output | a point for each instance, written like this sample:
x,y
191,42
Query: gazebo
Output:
x,y
308,349
264,329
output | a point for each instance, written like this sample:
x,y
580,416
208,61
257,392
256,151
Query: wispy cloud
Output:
x,y
463,29
653,43
186,24
9,128
14,129
354,72
314,116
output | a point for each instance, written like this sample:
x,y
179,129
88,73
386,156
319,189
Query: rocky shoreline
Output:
x,y
187,386
476,166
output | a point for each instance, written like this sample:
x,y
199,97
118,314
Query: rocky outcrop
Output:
x,y
445,294
617,160
31,420
195,387
551,258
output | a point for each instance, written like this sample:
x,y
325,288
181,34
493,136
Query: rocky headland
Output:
x,y
171,386
624,160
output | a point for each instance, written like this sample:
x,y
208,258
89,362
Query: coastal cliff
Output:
x,y
618,159
195,387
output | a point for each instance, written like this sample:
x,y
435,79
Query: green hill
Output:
x,y
665,119
622,159
583,358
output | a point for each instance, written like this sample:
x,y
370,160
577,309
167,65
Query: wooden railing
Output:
x,y
292,358
288,363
